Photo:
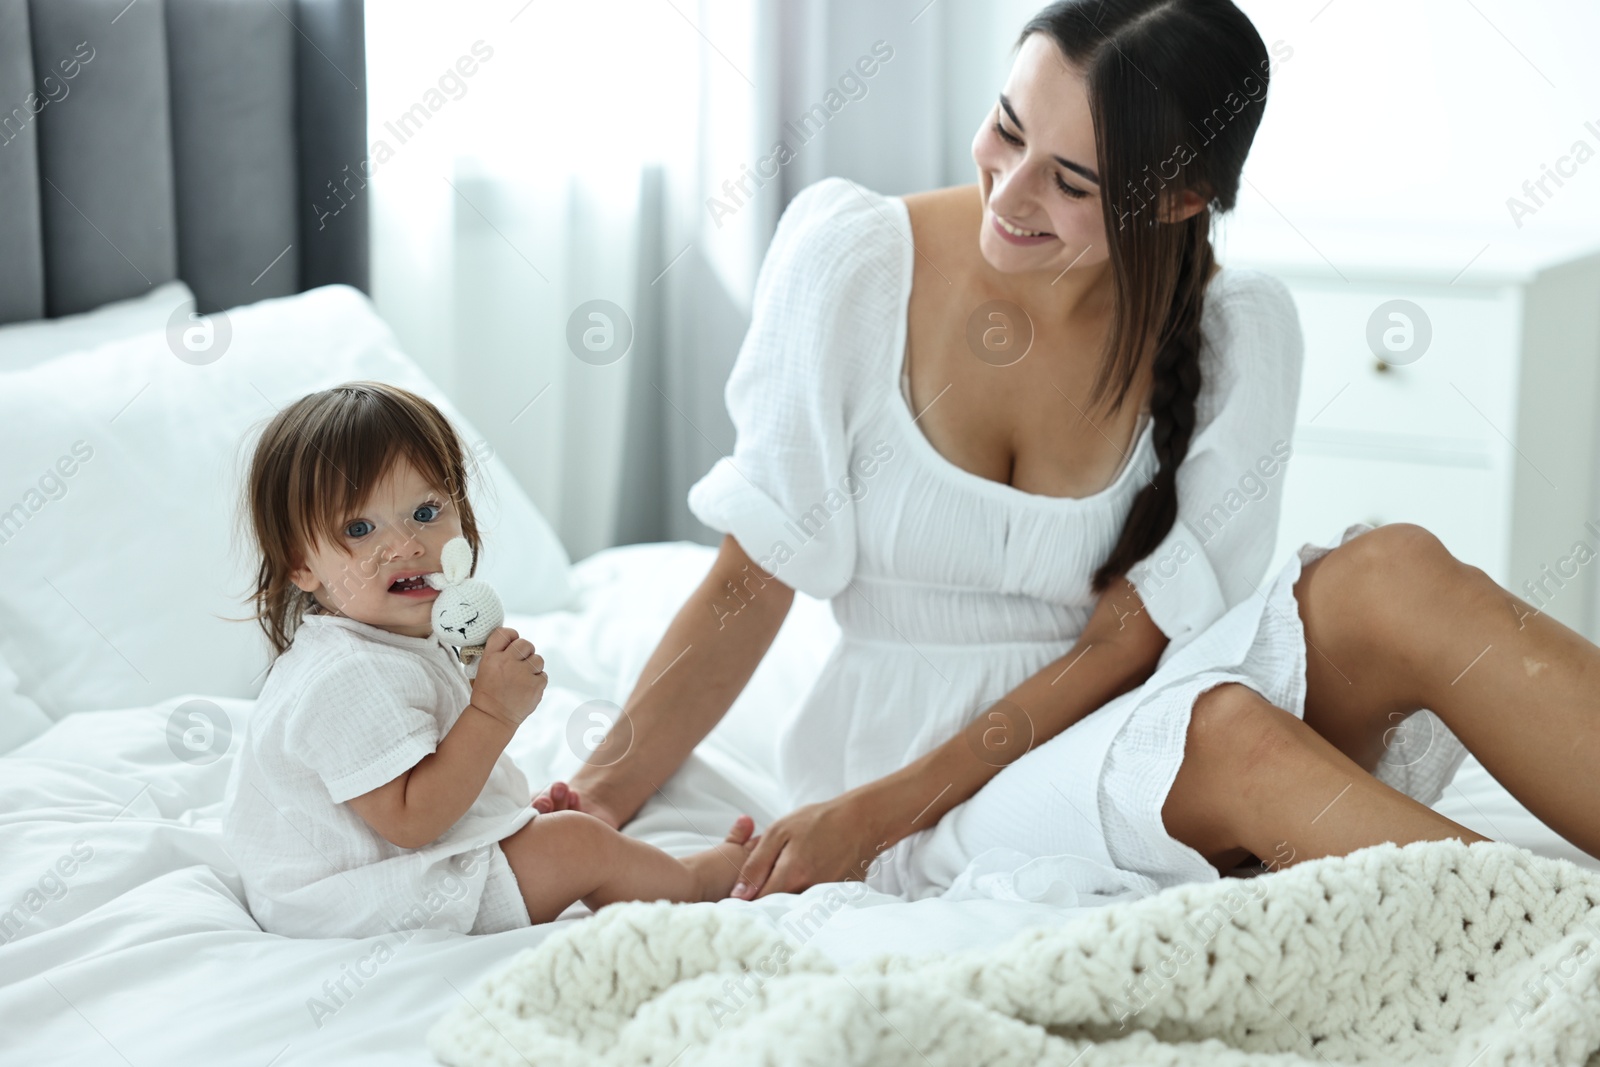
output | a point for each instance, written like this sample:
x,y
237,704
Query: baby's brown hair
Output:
x,y
315,463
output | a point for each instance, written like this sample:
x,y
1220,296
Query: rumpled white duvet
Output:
x,y
124,940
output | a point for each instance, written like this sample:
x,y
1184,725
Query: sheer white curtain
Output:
x,y
528,159
525,159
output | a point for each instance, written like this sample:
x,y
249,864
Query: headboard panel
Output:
x,y
21,248
191,139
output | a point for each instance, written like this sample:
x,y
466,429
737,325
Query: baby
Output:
x,y
373,791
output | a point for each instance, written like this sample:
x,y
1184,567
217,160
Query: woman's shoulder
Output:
x,y
1243,292
945,221
1249,309
829,296
1252,327
835,199
841,233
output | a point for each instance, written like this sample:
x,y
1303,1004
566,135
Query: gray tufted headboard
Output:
x,y
217,141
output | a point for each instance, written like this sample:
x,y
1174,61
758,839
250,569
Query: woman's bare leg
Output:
x,y
1395,623
1256,780
566,856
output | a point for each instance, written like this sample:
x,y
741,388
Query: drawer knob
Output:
x,y
1381,367
1400,330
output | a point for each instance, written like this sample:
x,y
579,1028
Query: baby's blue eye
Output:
x,y
417,515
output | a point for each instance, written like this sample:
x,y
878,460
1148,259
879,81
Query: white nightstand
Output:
x,y
1488,437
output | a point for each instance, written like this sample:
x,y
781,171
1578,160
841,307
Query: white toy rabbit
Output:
x,y
467,610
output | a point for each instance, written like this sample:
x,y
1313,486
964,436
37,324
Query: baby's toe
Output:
x,y
743,827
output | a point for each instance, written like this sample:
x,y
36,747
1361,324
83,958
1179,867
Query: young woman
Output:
x,y
1015,431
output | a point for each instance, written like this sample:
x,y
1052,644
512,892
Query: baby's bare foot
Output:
x,y
716,869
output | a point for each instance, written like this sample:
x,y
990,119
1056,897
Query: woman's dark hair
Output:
x,y
314,465
1176,89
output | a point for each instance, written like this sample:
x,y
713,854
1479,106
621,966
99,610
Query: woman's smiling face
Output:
x,y
401,531
1037,168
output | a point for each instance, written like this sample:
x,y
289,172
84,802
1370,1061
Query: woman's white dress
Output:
x,y
950,589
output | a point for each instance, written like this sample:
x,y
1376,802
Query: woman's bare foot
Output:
x,y
716,869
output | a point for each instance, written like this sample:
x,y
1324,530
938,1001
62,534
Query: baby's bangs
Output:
x,y
354,446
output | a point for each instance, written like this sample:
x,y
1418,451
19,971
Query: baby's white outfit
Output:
x,y
951,589
346,708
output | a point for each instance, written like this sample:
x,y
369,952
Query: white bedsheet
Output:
x,y
145,955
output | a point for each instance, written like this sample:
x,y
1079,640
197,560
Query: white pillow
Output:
x,y
119,548
26,344
21,720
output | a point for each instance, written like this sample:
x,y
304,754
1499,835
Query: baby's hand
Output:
x,y
511,679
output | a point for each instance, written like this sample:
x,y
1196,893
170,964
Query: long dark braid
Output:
x,y
1176,384
1163,77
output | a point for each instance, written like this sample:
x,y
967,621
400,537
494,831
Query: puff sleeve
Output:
x,y
363,721
824,306
1230,485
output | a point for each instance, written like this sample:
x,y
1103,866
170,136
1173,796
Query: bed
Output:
x,y
145,954
155,310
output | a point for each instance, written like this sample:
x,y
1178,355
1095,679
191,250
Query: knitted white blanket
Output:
x,y
1431,953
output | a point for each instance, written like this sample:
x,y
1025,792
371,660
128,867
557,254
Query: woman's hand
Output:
x,y
832,841
562,797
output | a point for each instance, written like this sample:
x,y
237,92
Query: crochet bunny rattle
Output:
x,y
467,610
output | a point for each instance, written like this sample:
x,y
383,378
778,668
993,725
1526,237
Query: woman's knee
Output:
x,y
1396,549
1377,595
1237,741
1381,574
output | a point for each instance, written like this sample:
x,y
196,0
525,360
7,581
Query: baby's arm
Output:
x,y
566,856
412,810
